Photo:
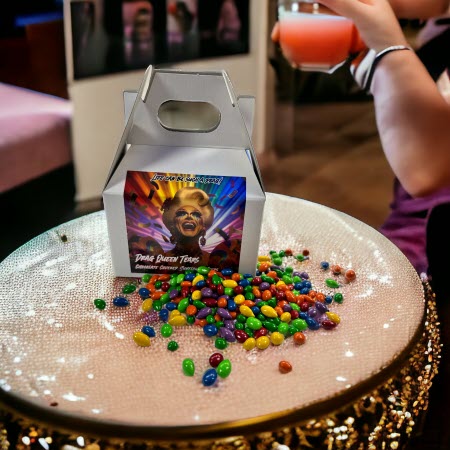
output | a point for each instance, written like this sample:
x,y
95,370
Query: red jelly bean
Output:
x,y
328,324
238,290
215,359
241,336
285,367
261,332
304,307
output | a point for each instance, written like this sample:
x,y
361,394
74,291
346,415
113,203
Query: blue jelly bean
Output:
x,y
325,265
244,283
303,315
298,286
209,377
304,291
255,310
312,324
329,299
120,301
210,330
200,284
258,273
248,275
144,292
148,330
164,315
189,277
307,284
231,305
171,306
227,272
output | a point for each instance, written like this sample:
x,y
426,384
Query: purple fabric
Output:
x,y
406,226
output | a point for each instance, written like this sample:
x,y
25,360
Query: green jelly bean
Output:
x,y
276,320
253,323
165,298
216,280
172,346
338,297
267,279
248,288
203,270
198,304
158,284
289,270
281,254
261,317
99,303
287,279
300,258
219,324
224,368
239,326
294,306
241,318
190,320
270,326
332,283
273,252
277,261
249,296
283,328
128,289
292,330
173,282
249,331
272,302
296,279
157,305
180,278
299,324
166,330
184,303
188,367
210,319
229,292
221,343
146,278
261,304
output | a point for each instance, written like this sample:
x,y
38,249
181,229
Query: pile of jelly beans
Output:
x,y
255,311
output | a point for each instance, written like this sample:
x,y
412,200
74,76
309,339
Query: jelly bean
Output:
x,y
228,291
227,334
188,367
198,304
285,317
215,359
209,377
264,258
189,277
239,299
141,339
350,275
338,298
210,330
253,323
203,270
276,338
231,305
99,303
328,324
312,312
164,315
173,294
147,305
165,286
332,283
250,344
172,346
196,295
210,319
204,312
284,367
144,292
261,332
262,342
190,320
333,317
224,368
299,324
221,343
300,258
328,299
246,311
229,283
148,330
321,307
268,311
336,269
229,324
240,335
244,283
283,328
120,301
166,330
197,279
146,278
206,292
312,323
184,303
177,321
191,310
264,286
224,313
270,326
299,338
165,298
128,289
171,306
255,310
325,265
180,278
227,272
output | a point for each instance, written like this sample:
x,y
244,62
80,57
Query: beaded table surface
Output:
x,y
66,363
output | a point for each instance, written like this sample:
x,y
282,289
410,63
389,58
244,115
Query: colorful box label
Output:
x,y
178,222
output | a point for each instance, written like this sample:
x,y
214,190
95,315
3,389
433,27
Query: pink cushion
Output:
x,y
34,135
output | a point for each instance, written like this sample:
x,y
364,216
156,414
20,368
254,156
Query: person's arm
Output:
x,y
413,118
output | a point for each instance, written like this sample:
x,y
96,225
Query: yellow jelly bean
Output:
x,y
147,305
174,313
177,321
141,339
276,338
263,258
196,295
239,299
249,344
246,311
262,342
285,317
197,279
280,283
333,317
268,311
229,283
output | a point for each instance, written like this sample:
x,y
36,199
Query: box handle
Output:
x,y
188,116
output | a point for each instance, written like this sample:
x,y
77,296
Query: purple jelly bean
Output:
x,y
321,307
206,292
203,313
224,313
312,312
287,308
173,294
296,274
229,324
227,334
275,267
264,286
226,297
304,275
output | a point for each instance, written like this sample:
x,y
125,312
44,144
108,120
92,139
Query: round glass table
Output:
x,y
68,367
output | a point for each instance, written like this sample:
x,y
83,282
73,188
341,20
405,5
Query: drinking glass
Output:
x,y
314,38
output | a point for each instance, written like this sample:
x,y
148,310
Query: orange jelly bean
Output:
x,y
290,297
266,295
186,284
157,295
272,274
278,310
256,292
191,310
236,277
164,277
320,297
249,303
350,275
222,303
263,267
284,367
299,338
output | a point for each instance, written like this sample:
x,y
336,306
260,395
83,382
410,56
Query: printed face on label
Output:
x,y
188,221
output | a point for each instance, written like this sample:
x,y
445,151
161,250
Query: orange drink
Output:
x,y
314,38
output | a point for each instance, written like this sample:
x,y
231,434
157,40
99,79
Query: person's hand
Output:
x,y
374,19
275,35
